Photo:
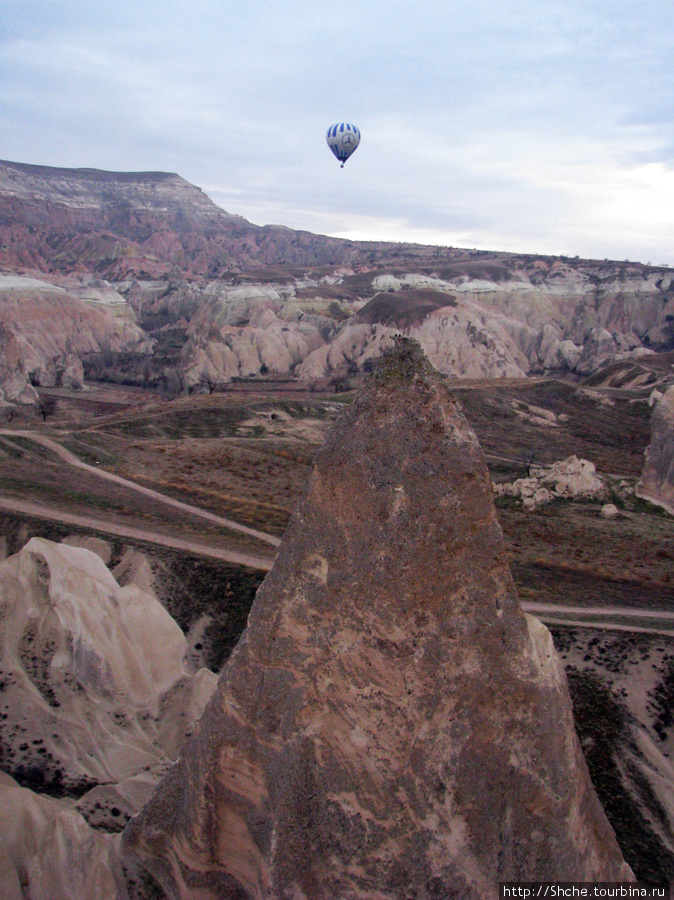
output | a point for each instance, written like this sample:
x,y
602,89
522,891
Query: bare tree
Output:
x,y
208,380
528,459
46,406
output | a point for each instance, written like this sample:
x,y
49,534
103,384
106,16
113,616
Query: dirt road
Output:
x,y
610,618
72,460
137,534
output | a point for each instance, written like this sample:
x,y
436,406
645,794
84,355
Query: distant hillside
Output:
x,y
138,277
151,224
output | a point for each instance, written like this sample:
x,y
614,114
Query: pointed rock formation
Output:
x,y
391,725
657,478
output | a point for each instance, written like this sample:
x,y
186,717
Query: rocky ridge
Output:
x,y
390,723
546,318
153,252
46,331
142,224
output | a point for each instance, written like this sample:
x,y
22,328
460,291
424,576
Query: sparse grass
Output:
x,y
28,449
90,454
644,508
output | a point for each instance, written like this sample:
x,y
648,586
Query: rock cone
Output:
x,y
391,725
657,478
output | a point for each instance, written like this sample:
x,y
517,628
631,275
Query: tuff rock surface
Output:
x,y
391,724
127,249
150,249
137,224
96,700
657,478
49,852
569,479
96,695
45,331
542,317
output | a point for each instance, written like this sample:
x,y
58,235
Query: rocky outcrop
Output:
x,y
97,699
122,225
241,331
391,724
532,321
657,478
45,331
49,852
95,688
567,479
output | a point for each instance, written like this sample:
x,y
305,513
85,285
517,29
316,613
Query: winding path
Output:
x,y
137,534
651,621
604,617
72,460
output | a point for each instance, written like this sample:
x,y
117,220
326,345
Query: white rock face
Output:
x,y
96,545
23,284
544,318
570,478
95,687
394,283
49,852
239,331
97,700
654,397
460,340
45,331
99,293
551,318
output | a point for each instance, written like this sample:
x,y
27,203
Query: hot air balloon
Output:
x,y
343,139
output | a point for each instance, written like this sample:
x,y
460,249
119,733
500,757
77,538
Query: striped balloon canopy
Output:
x,y
342,139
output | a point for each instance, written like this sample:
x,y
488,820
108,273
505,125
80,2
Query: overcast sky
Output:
x,y
524,125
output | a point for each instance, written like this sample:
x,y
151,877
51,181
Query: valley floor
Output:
x,y
205,487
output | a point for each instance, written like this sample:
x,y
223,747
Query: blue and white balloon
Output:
x,y
343,139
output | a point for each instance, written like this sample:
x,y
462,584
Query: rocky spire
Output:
x,y
391,724
657,479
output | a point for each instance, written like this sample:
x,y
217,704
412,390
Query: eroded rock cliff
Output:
x,y
126,224
657,479
535,317
97,699
45,331
391,724
243,300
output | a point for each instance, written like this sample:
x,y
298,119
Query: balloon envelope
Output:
x,y
342,139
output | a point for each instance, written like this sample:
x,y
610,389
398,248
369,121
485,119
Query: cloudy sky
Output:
x,y
524,125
